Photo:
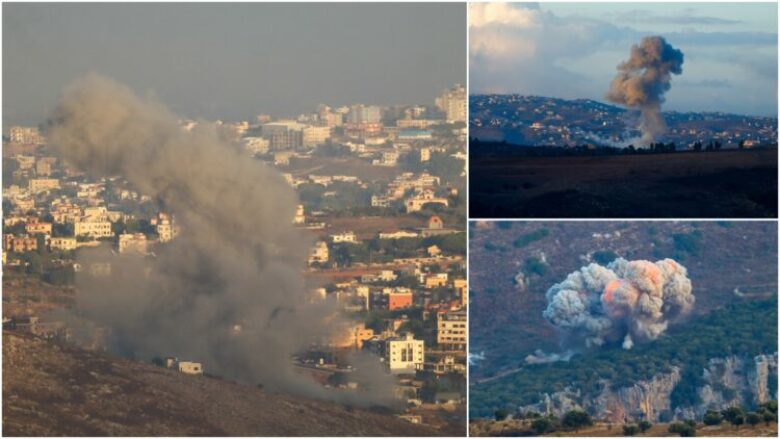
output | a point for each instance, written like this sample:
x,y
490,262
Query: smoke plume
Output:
x,y
643,79
229,290
624,302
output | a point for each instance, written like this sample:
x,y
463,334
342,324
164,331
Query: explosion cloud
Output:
x,y
626,301
228,291
643,79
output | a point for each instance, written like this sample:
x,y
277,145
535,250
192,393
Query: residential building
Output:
x,y
362,114
319,254
38,228
283,135
20,244
190,368
453,104
132,243
95,229
25,135
461,285
37,185
63,243
405,354
451,330
399,298
349,237
167,229
315,135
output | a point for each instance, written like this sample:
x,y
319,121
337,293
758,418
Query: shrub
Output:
x,y
576,419
630,430
541,426
712,417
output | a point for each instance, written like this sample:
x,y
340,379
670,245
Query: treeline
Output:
x,y
480,148
574,420
744,329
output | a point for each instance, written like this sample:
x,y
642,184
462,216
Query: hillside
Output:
x,y
668,368
733,270
51,389
506,321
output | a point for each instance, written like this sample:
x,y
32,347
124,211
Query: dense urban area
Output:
x,y
382,194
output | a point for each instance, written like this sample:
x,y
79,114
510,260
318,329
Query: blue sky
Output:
x,y
570,50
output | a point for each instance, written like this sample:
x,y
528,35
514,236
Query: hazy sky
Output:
x,y
570,50
233,61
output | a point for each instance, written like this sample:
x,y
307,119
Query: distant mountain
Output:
x,y
58,390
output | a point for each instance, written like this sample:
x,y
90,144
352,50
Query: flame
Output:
x,y
611,287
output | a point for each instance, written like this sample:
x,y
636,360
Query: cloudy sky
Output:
x,y
570,50
233,61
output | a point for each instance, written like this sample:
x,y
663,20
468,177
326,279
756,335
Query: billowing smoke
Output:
x,y
229,290
624,302
643,79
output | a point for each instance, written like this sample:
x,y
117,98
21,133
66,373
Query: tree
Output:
x,y
712,417
576,419
732,413
644,425
541,426
501,414
684,429
753,418
630,430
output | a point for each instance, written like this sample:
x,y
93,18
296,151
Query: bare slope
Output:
x,y
51,389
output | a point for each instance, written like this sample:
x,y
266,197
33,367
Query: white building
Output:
x,y
319,254
313,135
405,354
95,229
191,368
344,237
453,103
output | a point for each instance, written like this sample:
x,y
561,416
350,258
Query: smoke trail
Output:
x,y
626,300
643,79
228,291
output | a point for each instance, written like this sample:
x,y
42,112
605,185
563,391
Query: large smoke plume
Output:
x,y
229,290
624,302
643,79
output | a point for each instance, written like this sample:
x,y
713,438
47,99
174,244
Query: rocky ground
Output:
x,y
59,390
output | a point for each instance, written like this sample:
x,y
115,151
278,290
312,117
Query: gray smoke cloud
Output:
x,y
643,79
541,357
624,302
229,290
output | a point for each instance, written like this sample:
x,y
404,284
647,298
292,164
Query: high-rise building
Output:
x,y
363,114
453,104
284,134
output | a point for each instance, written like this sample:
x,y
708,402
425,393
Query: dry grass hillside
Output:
x,y
59,390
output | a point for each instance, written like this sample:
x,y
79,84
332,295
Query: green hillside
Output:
x,y
745,328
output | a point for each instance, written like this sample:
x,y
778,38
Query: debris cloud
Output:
x,y
642,81
229,290
623,302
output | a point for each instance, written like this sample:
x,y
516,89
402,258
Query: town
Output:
x,y
382,194
543,121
